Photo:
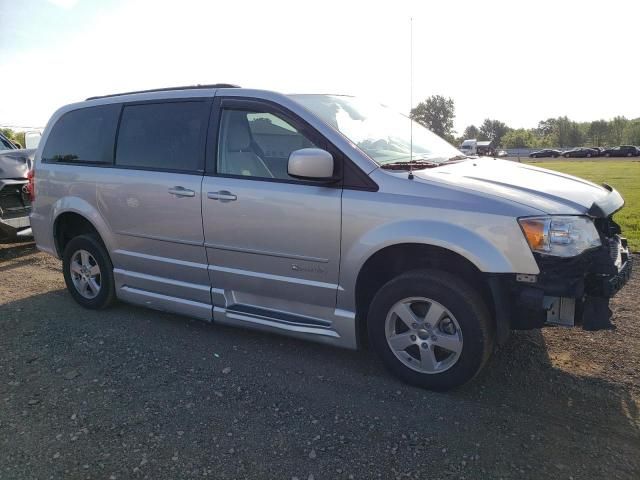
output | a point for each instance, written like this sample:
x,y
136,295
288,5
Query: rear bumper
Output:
x,y
10,227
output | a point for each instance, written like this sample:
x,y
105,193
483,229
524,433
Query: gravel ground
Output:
x,y
132,393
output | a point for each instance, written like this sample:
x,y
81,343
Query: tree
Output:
x,y
493,130
575,135
471,132
598,132
520,138
632,132
616,130
436,113
546,127
568,133
546,133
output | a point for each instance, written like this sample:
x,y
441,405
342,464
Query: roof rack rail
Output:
x,y
166,89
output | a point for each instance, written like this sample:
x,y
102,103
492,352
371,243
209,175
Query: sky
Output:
x,y
515,61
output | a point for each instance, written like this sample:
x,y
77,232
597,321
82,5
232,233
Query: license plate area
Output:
x,y
560,311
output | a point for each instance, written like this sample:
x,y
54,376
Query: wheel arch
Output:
x,y
392,260
81,218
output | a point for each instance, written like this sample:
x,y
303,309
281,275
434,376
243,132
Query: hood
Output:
x,y
16,163
546,190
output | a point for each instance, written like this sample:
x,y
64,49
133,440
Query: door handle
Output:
x,y
182,192
222,195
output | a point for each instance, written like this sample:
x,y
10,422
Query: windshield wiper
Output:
x,y
457,158
412,164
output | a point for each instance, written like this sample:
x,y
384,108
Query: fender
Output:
x,y
85,209
505,252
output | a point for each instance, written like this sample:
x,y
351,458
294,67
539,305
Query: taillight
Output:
x,y
31,186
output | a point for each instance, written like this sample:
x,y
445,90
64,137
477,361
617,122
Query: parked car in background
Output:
x,y
320,217
546,153
31,139
580,152
6,144
622,151
15,202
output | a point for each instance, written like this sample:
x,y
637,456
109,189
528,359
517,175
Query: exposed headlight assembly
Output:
x,y
560,236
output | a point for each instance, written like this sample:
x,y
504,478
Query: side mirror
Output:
x,y
311,164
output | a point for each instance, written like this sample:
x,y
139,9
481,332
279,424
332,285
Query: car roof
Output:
x,y
169,89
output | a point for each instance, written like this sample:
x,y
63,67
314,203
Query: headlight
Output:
x,y
560,236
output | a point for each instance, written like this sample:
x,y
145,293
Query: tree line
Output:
x,y
437,114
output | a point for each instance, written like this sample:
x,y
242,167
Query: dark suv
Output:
x,y
581,152
622,151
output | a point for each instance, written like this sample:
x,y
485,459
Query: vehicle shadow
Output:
x,y
525,363
17,249
521,410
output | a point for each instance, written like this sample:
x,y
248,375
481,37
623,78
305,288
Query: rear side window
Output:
x,y
163,136
83,136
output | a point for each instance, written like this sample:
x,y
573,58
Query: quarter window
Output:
x,y
162,136
257,144
83,136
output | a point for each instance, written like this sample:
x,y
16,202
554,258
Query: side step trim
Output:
x,y
278,316
165,303
235,317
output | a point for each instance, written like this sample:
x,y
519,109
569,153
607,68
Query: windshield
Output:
x,y
380,132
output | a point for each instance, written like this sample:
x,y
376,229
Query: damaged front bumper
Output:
x,y
567,291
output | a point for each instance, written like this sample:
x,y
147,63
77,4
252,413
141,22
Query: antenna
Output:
x,y
410,97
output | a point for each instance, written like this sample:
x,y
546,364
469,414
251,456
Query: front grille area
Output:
x,y
14,201
607,227
616,245
615,251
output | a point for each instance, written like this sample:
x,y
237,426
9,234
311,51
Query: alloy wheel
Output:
x,y
85,274
424,335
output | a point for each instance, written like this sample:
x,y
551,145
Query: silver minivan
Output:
x,y
320,217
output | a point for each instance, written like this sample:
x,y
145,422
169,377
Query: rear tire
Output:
x,y
457,339
88,272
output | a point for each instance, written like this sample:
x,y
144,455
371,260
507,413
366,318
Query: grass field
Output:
x,y
624,176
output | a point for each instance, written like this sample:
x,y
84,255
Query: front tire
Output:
x,y
88,272
431,329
